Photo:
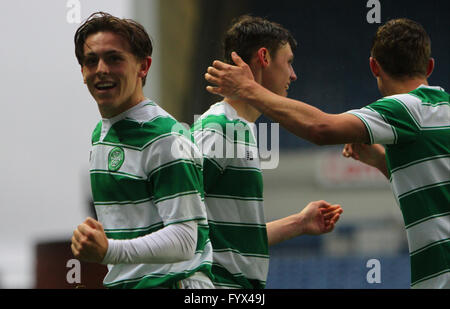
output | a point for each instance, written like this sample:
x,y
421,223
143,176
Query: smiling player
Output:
x,y
152,230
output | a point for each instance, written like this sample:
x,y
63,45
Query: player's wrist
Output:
x,y
252,92
297,224
111,252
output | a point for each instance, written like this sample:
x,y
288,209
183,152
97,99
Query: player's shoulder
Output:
x,y
431,95
220,117
150,123
421,95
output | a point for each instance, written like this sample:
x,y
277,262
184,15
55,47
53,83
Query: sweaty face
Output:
x,y
112,73
279,73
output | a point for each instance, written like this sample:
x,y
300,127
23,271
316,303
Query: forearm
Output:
x,y
284,229
304,120
295,116
172,244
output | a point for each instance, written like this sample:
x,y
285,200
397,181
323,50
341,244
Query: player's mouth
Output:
x,y
105,86
287,87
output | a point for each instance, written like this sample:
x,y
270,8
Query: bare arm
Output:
x,y
316,218
300,118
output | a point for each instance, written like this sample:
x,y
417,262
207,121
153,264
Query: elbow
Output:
x,y
188,252
188,241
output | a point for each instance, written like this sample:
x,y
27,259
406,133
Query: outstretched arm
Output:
x,y
300,118
373,155
316,218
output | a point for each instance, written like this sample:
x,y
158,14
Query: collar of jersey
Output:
x,y
107,123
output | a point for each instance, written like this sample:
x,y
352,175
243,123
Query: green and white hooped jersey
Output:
x,y
144,177
234,198
415,128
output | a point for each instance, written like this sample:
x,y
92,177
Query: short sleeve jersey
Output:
x,y
415,129
145,176
234,198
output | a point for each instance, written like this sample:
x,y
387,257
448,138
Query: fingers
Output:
x,y
335,218
214,90
347,151
93,224
85,230
75,251
321,204
213,71
237,60
76,244
88,241
219,65
330,214
212,79
331,223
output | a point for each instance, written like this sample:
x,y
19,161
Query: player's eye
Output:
x,y
115,58
90,61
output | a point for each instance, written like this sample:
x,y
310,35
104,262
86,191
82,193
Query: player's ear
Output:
x,y
374,66
263,56
145,66
84,77
430,67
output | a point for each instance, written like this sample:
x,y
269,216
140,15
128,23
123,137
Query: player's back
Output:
x,y
420,177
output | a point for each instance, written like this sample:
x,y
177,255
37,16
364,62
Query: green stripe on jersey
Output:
x,y
133,233
135,135
432,261
428,144
239,238
238,184
431,96
156,280
108,188
187,174
429,203
223,278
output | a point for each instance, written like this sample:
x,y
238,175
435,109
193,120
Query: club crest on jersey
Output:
x,y
115,159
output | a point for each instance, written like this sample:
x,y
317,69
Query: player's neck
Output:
x,y
112,110
108,112
399,86
244,110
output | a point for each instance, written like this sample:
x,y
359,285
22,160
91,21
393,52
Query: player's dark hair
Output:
x,y
402,48
247,34
134,33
